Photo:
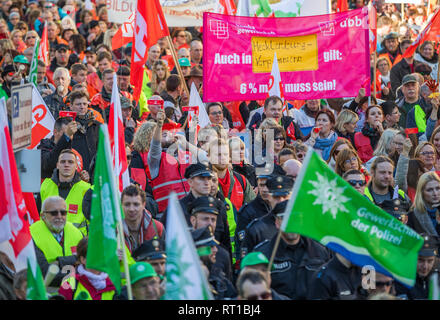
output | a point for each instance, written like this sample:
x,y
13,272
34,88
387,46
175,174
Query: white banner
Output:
x,y
120,10
416,2
186,13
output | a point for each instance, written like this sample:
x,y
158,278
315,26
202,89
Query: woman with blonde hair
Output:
x,y
237,153
17,40
30,38
385,146
346,124
159,76
424,216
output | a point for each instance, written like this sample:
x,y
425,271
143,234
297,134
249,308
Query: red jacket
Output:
x,y
148,229
67,292
363,147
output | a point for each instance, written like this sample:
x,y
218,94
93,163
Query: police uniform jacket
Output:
x,y
294,266
334,281
257,231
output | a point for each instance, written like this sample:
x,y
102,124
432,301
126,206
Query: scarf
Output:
x,y
325,145
105,95
371,133
426,222
98,281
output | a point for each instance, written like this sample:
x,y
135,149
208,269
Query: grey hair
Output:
x,y
60,70
50,200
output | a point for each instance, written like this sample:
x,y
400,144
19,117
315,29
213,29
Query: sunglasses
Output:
x,y
54,213
360,183
383,284
264,296
279,139
427,153
216,113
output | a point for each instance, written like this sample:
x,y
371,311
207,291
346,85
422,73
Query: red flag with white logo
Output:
x,y
43,52
342,6
124,34
227,7
117,139
14,224
149,27
431,32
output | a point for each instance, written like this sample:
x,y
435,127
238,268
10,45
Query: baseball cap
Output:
x,y
21,59
408,79
253,258
62,46
141,270
184,62
392,35
125,103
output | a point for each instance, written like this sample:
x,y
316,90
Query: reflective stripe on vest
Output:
x,y
420,118
73,201
232,226
47,243
368,194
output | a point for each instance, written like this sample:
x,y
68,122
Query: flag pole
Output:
x,y
403,11
375,75
274,251
176,61
121,243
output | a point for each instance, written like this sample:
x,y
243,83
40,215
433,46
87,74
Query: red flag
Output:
x,y
431,32
43,52
117,139
149,27
14,225
124,34
227,7
372,19
342,6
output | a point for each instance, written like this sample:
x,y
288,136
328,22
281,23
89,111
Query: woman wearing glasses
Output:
x,y
30,38
339,145
348,160
427,54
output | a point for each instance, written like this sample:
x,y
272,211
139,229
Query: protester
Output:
x,y
253,285
323,136
366,140
144,282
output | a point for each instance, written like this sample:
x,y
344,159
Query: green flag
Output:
x,y
145,94
105,214
35,283
185,277
34,64
332,212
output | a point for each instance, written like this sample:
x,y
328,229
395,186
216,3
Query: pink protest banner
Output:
x,y
324,56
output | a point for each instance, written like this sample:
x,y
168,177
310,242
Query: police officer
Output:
x,y
264,228
258,261
258,207
153,252
207,247
338,279
204,212
427,264
199,177
297,259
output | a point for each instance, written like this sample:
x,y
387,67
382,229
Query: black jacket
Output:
x,y
257,119
6,284
250,211
294,266
334,281
221,232
50,153
257,231
85,140
420,291
248,171
55,103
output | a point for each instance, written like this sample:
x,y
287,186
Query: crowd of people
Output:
x,y
233,192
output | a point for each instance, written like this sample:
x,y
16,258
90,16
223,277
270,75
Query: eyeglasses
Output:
x,y
384,283
355,183
350,160
31,37
427,153
264,296
279,139
216,113
54,213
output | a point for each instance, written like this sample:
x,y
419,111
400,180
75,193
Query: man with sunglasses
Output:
x,y
356,179
66,182
55,239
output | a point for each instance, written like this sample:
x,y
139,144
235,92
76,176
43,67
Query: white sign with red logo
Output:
x,y
42,120
120,10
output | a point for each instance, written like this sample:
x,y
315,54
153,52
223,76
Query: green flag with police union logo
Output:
x,y
327,209
105,214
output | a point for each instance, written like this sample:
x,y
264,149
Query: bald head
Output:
x,y
183,53
292,167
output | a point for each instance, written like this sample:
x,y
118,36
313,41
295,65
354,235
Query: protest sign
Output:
x,y
282,8
239,52
187,13
21,116
120,10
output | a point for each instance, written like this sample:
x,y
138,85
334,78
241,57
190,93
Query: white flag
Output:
x,y
195,100
184,275
42,119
